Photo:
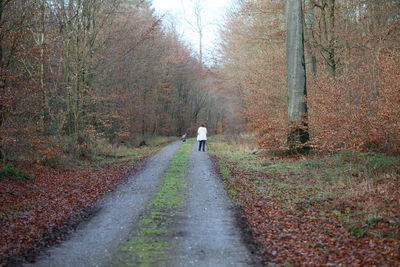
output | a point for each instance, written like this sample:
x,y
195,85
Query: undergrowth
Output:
x,y
357,191
103,151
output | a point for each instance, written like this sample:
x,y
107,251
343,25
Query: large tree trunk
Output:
x,y
296,75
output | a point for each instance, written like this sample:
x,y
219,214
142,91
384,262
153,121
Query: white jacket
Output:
x,y
201,134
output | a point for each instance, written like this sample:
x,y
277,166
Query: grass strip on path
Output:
x,y
151,240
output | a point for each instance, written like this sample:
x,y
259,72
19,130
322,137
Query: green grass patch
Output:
x,y
357,230
150,242
350,187
10,171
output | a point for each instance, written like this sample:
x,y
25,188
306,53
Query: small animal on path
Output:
x,y
183,138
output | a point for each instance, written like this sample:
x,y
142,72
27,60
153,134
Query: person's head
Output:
x,y
203,125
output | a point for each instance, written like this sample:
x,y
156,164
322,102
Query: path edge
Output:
x,y
246,233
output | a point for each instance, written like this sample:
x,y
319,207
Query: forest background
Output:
x,y
76,71
352,64
80,75
73,72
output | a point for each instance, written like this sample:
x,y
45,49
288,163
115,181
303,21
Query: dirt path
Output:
x,y
95,241
209,232
206,230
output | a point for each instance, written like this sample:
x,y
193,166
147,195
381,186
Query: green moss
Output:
x,y
146,250
150,242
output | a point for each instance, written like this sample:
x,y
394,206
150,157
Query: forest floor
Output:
x,y
320,209
173,212
339,209
42,202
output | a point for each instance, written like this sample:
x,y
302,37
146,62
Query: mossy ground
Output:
x,y
150,242
331,182
358,192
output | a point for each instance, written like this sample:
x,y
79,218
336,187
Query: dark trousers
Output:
x,y
202,143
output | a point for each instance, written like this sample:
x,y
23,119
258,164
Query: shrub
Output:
x,y
356,110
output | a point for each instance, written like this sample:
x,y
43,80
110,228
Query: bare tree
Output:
x,y
198,25
310,58
326,38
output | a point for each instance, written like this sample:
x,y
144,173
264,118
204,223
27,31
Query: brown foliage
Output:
x,y
118,73
33,212
253,58
303,232
354,92
358,110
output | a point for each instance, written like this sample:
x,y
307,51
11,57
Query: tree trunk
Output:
x,y
296,76
44,104
331,52
3,4
310,58
328,30
197,10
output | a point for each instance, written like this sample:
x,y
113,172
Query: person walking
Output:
x,y
202,137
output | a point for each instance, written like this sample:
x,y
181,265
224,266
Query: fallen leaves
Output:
x,y
306,235
32,213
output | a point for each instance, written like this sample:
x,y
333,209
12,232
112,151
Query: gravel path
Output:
x,y
209,233
95,241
